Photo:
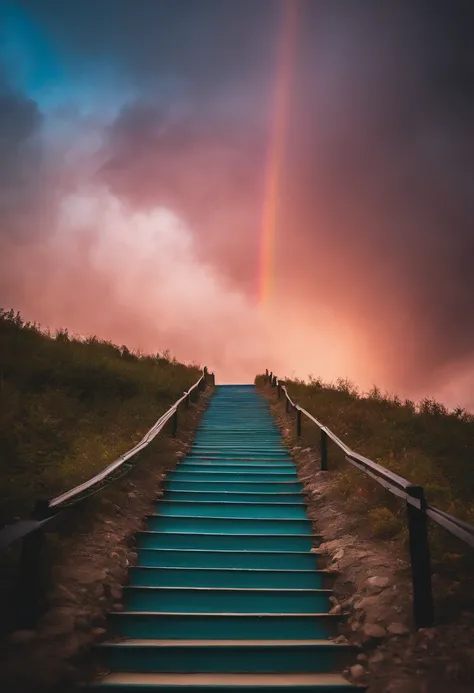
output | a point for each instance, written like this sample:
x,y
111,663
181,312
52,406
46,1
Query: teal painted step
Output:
x,y
236,450
269,455
205,600
225,509
223,626
233,497
229,525
197,463
237,486
221,657
227,438
256,560
230,577
227,542
247,475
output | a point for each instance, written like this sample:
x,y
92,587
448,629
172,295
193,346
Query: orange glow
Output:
x,y
276,150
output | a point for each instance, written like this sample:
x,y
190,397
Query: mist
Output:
x,y
134,150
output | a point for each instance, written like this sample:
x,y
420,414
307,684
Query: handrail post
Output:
x,y
274,381
175,423
298,423
324,451
30,583
270,378
423,609
265,380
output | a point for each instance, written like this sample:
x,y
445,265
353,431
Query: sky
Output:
x,y
282,184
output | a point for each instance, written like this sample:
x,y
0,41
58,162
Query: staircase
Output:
x,y
226,595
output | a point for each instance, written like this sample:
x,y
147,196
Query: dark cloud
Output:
x,y
210,171
383,164
20,162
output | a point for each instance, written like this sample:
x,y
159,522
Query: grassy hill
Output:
x,y
424,442
70,406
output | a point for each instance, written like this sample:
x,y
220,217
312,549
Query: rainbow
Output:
x,y
276,150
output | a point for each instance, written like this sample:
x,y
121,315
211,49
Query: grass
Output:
x,y
424,443
70,406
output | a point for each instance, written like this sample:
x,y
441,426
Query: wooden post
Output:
x,y
270,378
298,423
274,381
31,578
265,380
324,451
423,609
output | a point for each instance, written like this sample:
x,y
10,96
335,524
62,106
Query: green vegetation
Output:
x,y
425,443
71,406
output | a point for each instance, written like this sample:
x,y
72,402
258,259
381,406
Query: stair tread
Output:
x,y
137,642
237,519
226,679
228,589
235,570
219,614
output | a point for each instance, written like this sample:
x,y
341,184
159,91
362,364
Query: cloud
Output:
x,y
134,277
21,162
374,243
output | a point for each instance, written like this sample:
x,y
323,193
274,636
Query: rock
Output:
x,y
22,637
98,633
336,609
333,600
347,603
357,671
97,617
117,607
341,640
362,658
337,556
398,629
377,583
315,549
116,593
377,657
133,557
373,631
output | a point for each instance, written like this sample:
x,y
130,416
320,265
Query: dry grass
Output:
x,y
425,443
71,406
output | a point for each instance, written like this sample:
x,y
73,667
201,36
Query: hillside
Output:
x,y
424,442
71,406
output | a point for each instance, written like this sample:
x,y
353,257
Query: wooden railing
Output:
x,y
47,514
418,508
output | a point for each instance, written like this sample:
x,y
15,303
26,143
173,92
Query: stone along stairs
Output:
x,y
227,595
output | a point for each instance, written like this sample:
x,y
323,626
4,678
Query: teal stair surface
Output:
x,y
227,594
